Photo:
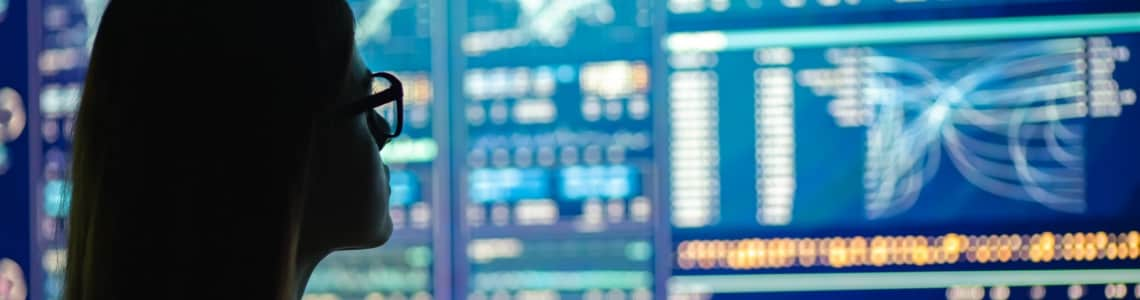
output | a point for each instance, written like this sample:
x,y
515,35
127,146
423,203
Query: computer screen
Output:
x,y
558,164
959,157
699,149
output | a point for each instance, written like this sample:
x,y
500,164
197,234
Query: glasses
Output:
x,y
385,102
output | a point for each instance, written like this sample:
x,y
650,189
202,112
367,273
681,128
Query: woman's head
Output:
x,y
201,159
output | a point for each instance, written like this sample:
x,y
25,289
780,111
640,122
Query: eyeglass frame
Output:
x,y
394,92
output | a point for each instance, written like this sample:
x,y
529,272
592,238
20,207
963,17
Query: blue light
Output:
x,y
405,188
509,184
57,198
606,182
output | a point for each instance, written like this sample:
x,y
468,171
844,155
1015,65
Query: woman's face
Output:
x,y
348,200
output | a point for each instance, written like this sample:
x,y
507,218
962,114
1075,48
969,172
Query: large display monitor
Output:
x,y
558,167
698,149
965,151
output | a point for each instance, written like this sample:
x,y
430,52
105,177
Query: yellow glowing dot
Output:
x,y
752,254
858,251
1035,253
1101,240
761,247
920,254
878,251
1091,252
1110,251
1048,240
1003,253
1133,239
836,256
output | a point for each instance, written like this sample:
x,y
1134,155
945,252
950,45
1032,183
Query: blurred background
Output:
x,y
693,149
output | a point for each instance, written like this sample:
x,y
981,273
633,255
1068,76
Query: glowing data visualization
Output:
x,y
559,150
1009,117
531,29
983,144
703,149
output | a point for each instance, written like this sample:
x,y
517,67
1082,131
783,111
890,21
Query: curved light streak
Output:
x,y
1010,121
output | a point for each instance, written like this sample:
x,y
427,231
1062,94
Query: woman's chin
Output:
x,y
373,237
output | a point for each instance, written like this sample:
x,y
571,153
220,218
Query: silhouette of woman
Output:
x,y
222,149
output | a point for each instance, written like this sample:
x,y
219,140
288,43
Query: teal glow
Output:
x,y
932,31
57,198
638,251
562,280
418,257
410,150
3,155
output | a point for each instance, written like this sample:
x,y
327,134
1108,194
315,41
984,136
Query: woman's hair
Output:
x,y
192,142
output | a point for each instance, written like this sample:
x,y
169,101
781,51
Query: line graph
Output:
x,y
543,22
1010,117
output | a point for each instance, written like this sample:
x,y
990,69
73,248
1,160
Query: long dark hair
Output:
x,y
192,142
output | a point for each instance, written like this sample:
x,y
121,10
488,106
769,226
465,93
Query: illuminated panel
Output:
x,y
395,36
690,12
559,153
986,145
65,43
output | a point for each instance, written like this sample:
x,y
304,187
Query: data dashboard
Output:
x,y
700,149
559,150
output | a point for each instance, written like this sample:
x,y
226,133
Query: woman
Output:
x,y
222,149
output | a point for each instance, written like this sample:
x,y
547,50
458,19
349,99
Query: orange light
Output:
x,y
1003,254
1048,240
837,253
878,251
983,254
640,76
858,251
1091,252
1101,240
